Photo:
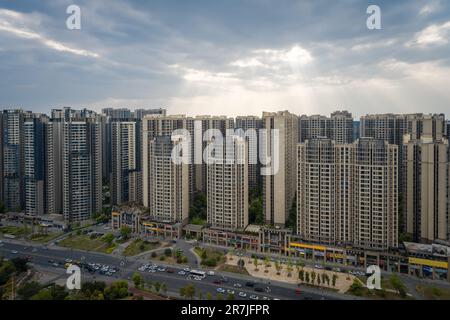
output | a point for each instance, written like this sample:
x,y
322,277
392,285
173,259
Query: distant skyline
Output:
x,y
226,57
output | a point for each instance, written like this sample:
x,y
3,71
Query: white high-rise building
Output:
x,y
81,168
34,162
227,186
348,193
168,198
125,177
279,188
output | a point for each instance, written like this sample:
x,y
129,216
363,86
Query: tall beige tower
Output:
x,y
169,187
227,187
427,182
347,194
279,188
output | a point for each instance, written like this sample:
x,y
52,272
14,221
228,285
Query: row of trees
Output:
x,y
317,278
96,290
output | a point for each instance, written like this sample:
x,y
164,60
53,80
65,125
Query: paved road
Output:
x,y
41,256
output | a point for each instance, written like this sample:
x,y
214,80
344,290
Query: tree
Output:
x,y
398,285
307,277
230,296
334,279
255,208
125,232
190,291
137,279
289,267
163,288
208,296
291,221
28,290
168,252
219,296
108,238
197,210
301,275
200,295
255,263
313,277
157,286
278,267
267,261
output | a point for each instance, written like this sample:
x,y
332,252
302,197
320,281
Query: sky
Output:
x,y
226,57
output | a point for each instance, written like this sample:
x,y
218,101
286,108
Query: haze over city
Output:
x,y
231,58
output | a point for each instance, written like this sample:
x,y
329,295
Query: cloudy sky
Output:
x,y
230,57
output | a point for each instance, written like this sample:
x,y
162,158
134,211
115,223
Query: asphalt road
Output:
x,y
42,257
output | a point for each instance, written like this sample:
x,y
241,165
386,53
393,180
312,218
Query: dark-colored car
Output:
x,y
250,284
259,289
170,271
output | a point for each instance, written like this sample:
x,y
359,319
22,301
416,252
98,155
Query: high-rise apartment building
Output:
x,y
427,183
168,196
347,193
253,123
392,127
125,176
279,188
338,127
34,163
227,186
13,159
201,125
81,168
155,126
53,162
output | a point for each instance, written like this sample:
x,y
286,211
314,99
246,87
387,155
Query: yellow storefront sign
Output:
x,y
306,246
428,263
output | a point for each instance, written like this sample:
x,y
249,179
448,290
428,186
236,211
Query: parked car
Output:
x,y
220,290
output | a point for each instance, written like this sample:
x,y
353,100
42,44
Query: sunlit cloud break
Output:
x,y
7,26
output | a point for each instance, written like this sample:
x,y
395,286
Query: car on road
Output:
x,y
259,289
318,266
211,273
217,281
237,285
14,251
250,284
187,269
220,290
68,260
265,298
181,273
242,294
229,291
298,291
55,264
267,289
254,297
170,271
161,269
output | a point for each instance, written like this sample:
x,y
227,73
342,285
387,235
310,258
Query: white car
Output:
x,y
211,273
220,290
237,285
186,269
242,294
253,297
182,273
14,252
230,291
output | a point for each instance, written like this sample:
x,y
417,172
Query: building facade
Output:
x,y
168,199
81,168
338,127
34,161
427,182
347,194
227,186
279,186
